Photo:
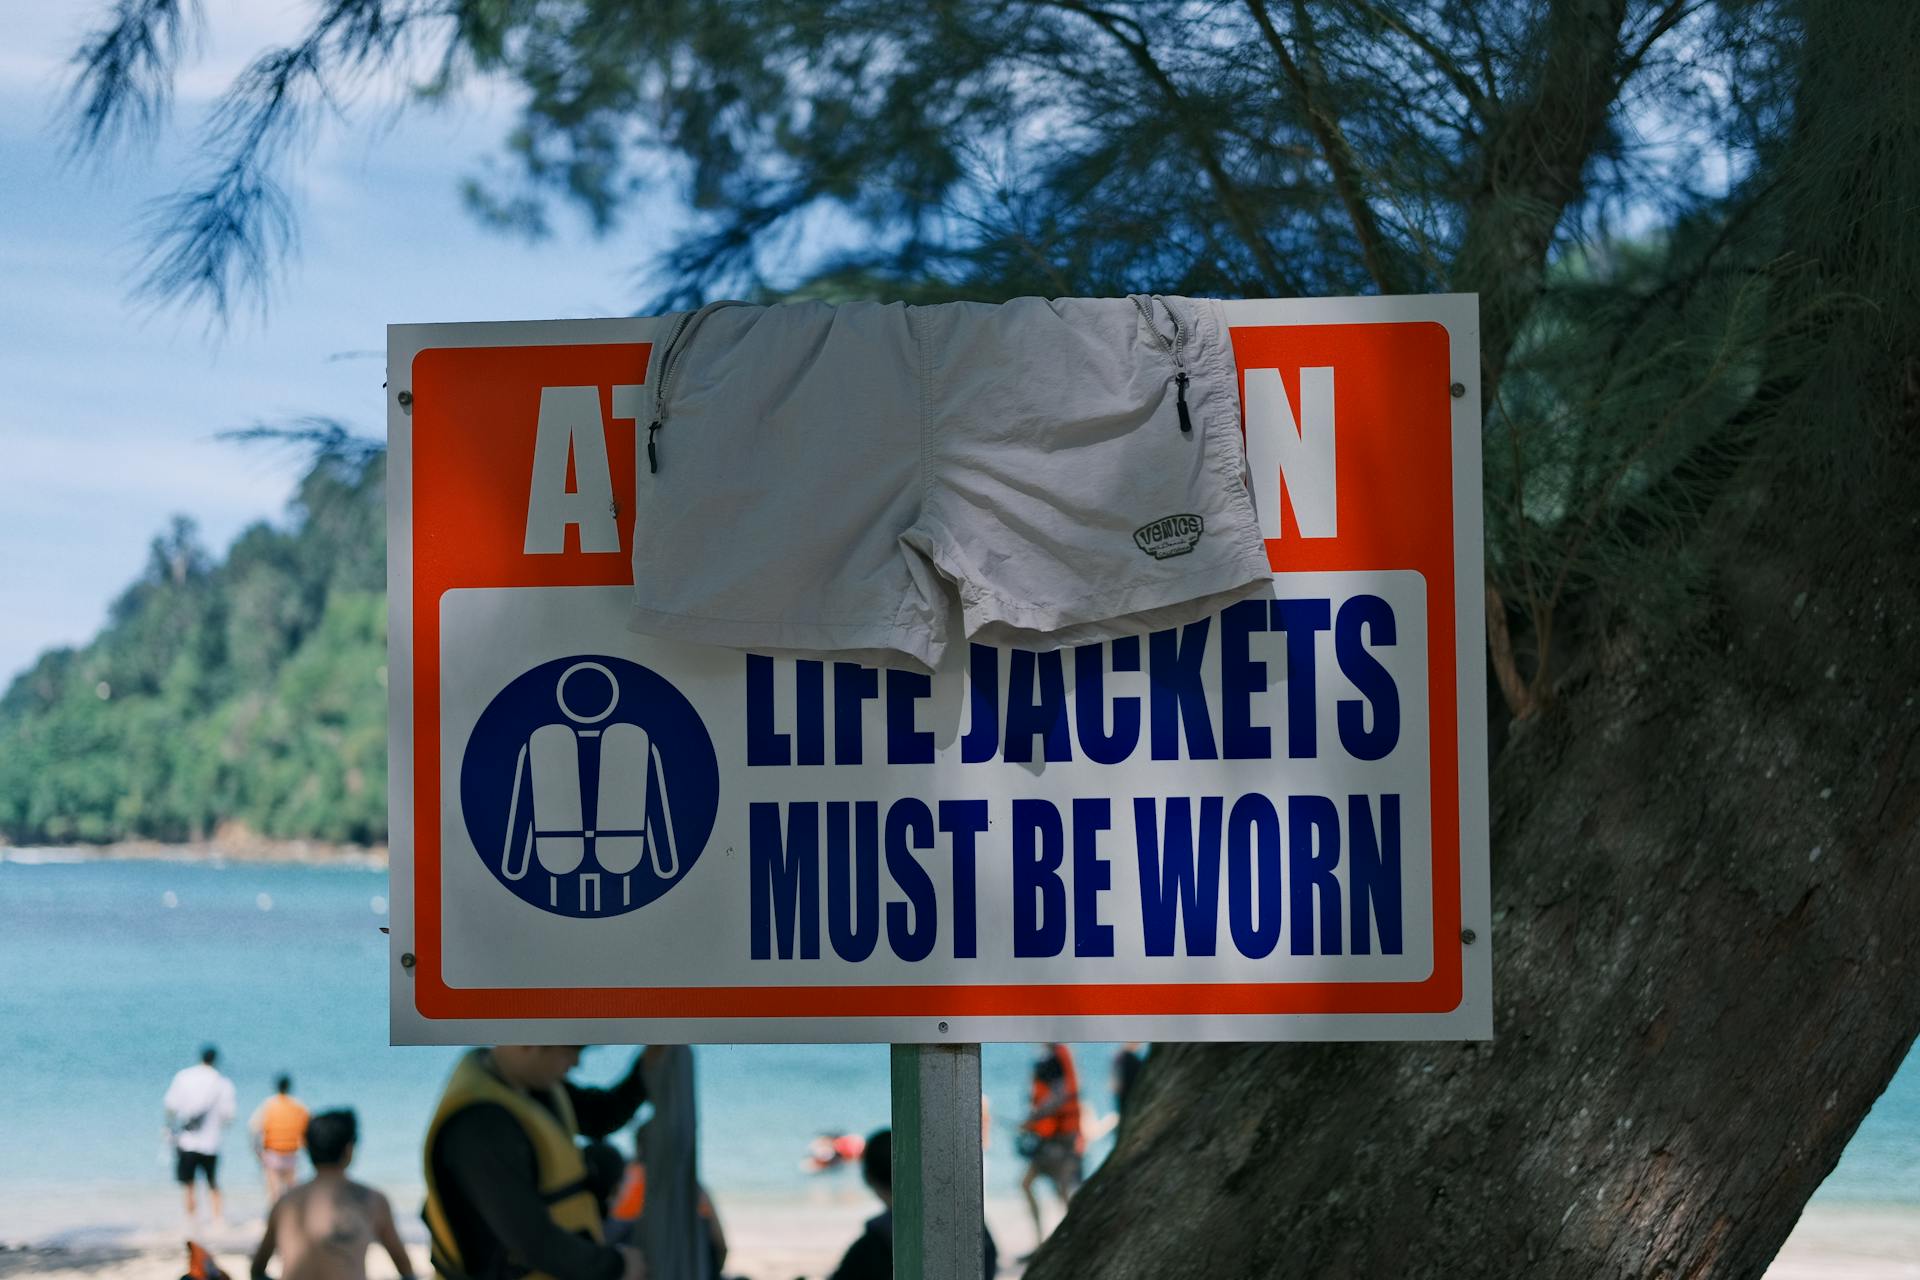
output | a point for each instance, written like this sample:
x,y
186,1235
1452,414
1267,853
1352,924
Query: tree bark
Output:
x,y
1706,862
1707,869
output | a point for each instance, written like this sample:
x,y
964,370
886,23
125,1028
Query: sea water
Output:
x,y
114,973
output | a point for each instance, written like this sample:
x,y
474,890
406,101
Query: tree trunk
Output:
x,y
1706,865
1706,876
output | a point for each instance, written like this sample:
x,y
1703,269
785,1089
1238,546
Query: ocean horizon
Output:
x,y
113,972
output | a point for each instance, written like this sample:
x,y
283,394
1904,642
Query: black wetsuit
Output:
x,y
1126,1070
490,1187
871,1256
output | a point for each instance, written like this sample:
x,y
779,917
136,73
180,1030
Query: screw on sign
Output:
x,y
589,786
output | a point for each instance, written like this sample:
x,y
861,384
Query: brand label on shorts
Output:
x,y
1169,536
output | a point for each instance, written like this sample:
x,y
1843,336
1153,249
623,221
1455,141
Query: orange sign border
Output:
x,y
434,999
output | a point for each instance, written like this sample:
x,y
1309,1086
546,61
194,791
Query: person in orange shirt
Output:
x,y
1051,1136
278,1126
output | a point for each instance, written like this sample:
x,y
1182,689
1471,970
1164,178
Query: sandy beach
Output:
x,y
768,1240
112,943
1851,1242
787,1241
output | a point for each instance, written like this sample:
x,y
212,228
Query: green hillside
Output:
x,y
251,688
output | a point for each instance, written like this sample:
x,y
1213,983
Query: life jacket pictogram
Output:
x,y
562,1170
558,831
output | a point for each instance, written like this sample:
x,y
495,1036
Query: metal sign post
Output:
x,y
938,1191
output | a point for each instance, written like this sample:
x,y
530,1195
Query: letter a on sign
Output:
x,y
571,426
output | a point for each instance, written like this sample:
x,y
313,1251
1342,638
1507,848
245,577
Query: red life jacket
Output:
x,y
200,1265
1065,1120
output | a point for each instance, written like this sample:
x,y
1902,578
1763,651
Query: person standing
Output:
x,y
323,1228
871,1256
279,1126
199,1106
1126,1073
1050,1136
508,1194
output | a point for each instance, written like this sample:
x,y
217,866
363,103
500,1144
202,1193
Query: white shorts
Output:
x,y
879,481
284,1162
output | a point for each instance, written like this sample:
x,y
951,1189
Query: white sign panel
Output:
x,y
1269,824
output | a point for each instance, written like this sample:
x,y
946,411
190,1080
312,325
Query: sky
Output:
x,y
109,409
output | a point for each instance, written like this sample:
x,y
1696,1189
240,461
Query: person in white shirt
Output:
x,y
199,1105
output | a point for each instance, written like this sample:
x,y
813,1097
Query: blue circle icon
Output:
x,y
589,786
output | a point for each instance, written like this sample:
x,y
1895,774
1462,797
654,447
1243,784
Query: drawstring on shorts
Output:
x,y
671,355
1172,346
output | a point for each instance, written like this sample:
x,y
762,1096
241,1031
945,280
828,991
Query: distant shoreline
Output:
x,y
223,847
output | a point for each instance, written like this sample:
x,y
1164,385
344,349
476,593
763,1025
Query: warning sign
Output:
x,y
1266,824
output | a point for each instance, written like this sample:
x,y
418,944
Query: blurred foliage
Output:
x,y
1674,212
249,689
1688,223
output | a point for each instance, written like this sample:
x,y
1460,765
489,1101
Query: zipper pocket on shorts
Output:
x,y
1172,347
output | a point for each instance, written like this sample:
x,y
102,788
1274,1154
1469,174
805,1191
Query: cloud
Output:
x,y
80,501
86,465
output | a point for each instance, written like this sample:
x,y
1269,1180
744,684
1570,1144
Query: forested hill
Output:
x,y
251,689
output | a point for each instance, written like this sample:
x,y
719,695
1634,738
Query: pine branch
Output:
x,y
230,231
1481,103
317,435
1531,165
1334,148
1676,12
1232,203
124,78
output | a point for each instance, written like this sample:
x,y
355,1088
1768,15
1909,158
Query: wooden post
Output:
x,y
938,1196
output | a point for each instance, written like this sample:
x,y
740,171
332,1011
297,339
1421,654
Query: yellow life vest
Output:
x,y
562,1169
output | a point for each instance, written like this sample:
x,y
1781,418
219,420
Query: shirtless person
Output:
x,y
322,1228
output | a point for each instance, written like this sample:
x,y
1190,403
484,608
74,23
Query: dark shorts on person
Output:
x,y
188,1163
1057,1159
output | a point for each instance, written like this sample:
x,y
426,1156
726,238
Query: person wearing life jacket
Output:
x,y
831,1150
1051,1137
279,1126
508,1195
